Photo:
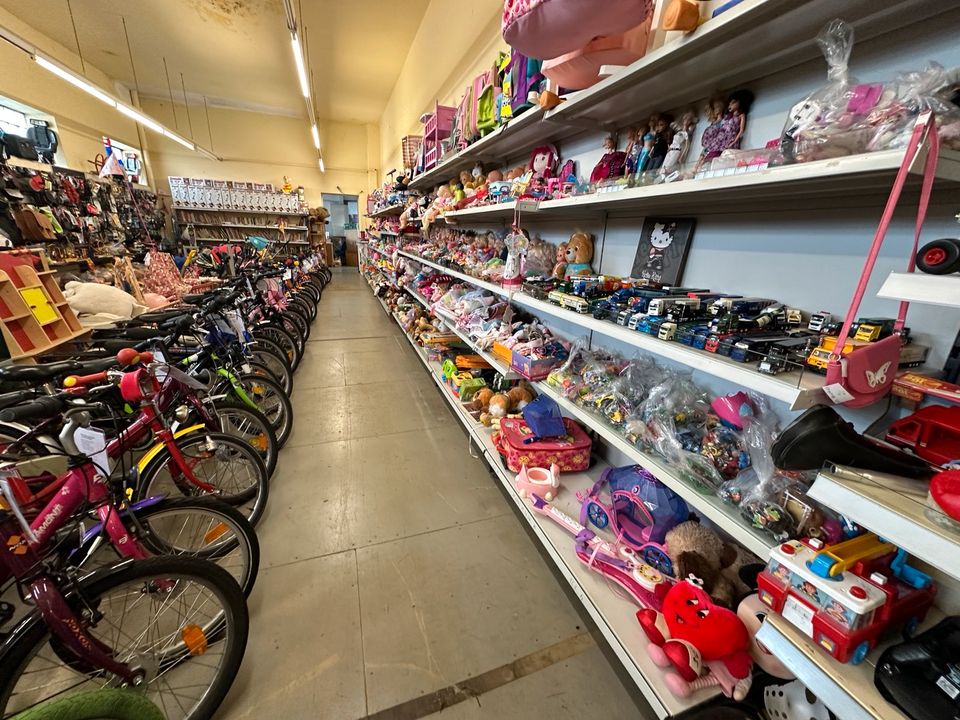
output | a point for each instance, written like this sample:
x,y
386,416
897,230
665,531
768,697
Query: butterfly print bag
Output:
x,y
866,374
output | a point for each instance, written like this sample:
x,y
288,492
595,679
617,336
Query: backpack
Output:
x,y
525,78
504,111
484,106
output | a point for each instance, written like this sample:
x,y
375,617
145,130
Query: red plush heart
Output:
x,y
691,615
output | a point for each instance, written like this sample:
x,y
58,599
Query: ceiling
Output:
x,y
236,53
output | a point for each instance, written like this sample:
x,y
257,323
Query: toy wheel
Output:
x,y
860,653
655,557
939,257
597,515
910,627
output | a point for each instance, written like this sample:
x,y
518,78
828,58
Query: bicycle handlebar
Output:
x,y
39,408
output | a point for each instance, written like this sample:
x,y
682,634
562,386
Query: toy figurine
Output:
x,y
661,141
726,131
561,267
611,165
517,243
679,146
578,253
634,146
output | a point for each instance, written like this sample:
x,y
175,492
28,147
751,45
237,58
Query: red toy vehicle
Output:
x,y
932,433
845,596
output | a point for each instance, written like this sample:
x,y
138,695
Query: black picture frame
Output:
x,y
663,249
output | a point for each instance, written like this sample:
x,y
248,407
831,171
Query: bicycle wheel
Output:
x,y
183,622
291,323
230,465
276,365
103,704
252,426
282,339
272,401
200,527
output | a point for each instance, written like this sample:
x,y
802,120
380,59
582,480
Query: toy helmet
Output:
x,y
794,701
734,410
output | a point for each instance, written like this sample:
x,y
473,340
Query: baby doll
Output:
x,y
543,161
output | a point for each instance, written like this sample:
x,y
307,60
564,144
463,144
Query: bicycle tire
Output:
x,y
264,440
291,322
282,339
231,626
273,402
251,500
309,309
275,365
102,704
299,311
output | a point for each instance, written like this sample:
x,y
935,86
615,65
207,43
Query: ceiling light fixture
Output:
x,y
140,118
176,138
316,135
75,80
322,168
301,67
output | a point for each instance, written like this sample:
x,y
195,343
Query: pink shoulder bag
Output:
x,y
865,375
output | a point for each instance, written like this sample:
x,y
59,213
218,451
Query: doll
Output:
x,y
648,139
543,161
634,146
679,146
561,267
611,164
661,141
726,132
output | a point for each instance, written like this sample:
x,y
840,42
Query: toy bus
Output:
x,y
571,302
845,596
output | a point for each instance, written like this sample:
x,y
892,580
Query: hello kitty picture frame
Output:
x,y
663,249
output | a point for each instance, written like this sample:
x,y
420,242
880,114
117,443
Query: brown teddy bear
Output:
x,y
696,550
577,254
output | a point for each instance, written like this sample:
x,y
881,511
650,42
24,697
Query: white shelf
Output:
x,y
388,211
798,390
774,188
848,690
494,362
221,241
922,288
753,40
895,508
244,212
610,610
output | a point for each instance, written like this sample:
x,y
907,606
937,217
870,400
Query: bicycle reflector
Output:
x,y
194,638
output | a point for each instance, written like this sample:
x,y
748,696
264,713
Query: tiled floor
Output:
x,y
392,567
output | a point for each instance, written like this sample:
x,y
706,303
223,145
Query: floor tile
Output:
x,y
376,366
304,657
452,604
317,370
335,496
584,686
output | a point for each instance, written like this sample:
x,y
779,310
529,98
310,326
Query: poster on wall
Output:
x,y
662,251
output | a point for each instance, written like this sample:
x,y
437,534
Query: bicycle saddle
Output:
x,y
820,435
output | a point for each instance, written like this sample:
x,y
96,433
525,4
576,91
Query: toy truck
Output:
x,y
747,307
786,355
845,596
819,321
571,302
661,306
932,433
754,347
667,331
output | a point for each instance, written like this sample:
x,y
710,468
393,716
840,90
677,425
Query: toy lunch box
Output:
x,y
519,446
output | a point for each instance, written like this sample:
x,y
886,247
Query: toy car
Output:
x,y
663,305
753,348
650,325
739,306
819,320
571,302
845,596
667,331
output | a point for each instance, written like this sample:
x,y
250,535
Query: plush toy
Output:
x,y
752,612
499,405
694,635
696,550
578,254
561,267
519,397
543,161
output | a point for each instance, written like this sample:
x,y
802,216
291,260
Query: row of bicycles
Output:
x,y
132,477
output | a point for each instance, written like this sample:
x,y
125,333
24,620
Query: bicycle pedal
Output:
x,y
7,611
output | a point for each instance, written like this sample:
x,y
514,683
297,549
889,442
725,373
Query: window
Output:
x,y
13,122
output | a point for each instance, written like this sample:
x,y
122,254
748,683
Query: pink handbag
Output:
x,y
545,29
865,375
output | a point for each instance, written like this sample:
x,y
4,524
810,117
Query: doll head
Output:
x,y
609,145
739,102
715,108
466,178
687,121
662,126
653,122
494,176
543,160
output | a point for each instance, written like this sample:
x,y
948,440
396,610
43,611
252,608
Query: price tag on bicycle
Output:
x,y
93,443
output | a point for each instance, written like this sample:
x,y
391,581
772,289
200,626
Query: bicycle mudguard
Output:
x,y
155,450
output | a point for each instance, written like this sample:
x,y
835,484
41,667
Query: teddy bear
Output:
x,y
577,254
696,550
694,635
561,266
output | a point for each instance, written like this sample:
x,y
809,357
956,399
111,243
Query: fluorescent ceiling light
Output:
x,y
207,153
316,135
176,138
75,80
322,168
140,118
301,67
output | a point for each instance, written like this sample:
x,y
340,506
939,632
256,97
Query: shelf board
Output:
x,y
848,690
895,508
798,390
922,288
494,362
776,188
244,226
244,212
610,610
390,211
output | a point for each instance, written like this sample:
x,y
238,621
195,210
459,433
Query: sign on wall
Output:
x,y
662,251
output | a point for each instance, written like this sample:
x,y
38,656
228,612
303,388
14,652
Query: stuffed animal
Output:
x,y
561,267
578,254
693,635
519,397
499,405
696,550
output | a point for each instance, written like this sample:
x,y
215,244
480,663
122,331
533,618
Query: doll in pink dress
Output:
x,y
726,131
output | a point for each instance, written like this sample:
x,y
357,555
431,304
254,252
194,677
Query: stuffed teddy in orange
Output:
x,y
577,254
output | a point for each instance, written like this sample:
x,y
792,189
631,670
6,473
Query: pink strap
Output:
x,y
925,125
